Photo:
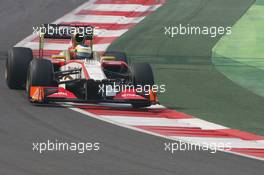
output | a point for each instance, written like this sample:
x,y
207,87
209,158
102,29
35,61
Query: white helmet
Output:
x,y
83,52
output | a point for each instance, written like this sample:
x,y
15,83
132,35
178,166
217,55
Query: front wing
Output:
x,y
39,94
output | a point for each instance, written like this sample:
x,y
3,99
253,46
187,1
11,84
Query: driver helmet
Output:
x,y
83,52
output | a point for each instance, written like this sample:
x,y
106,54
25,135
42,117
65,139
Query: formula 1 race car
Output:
x,y
79,74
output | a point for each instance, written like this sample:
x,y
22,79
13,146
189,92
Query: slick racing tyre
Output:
x,y
142,75
16,67
120,56
40,73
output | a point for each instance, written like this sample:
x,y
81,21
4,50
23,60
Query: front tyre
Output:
x,y
40,73
142,75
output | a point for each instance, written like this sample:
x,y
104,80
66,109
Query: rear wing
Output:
x,y
63,31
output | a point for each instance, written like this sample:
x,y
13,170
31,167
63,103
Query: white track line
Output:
x,y
101,19
182,139
234,142
150,121
56,46
109,33
122,7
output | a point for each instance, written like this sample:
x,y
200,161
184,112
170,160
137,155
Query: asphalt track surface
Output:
x,y
122,151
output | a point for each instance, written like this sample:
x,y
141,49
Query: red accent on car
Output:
x,y
62,93
128,94
121,64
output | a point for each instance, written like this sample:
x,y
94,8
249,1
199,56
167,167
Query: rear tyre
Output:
x,y
120,56
17,64
142,75
40,73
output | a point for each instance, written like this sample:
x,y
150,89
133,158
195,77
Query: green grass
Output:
x,y
183,63
240,56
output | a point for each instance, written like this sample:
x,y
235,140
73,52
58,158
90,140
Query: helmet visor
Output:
x,y
83,55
